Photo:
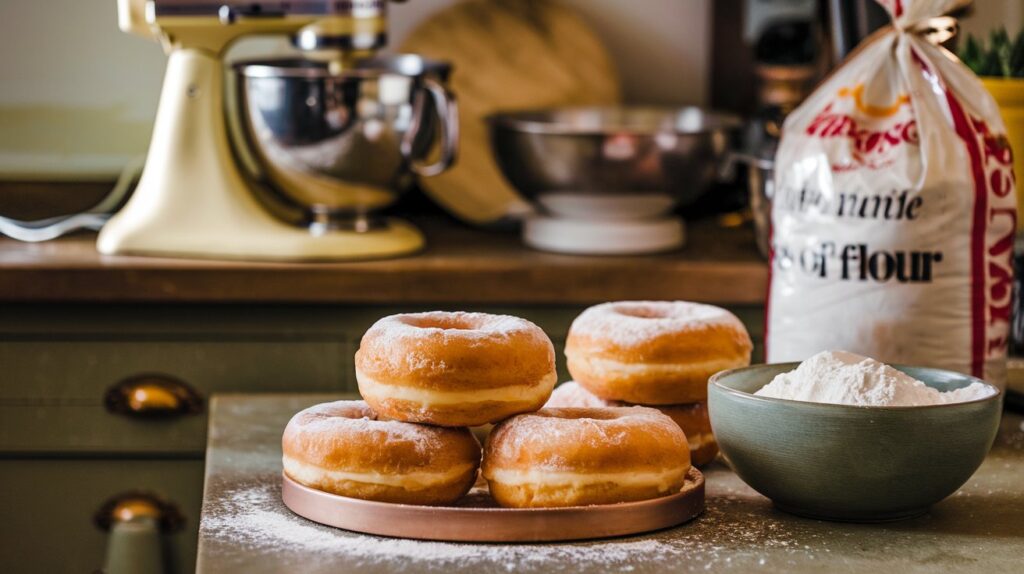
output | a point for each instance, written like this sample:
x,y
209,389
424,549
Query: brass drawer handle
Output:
x,y
153,395
134,506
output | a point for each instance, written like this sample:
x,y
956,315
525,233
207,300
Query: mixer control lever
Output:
x,y
230,14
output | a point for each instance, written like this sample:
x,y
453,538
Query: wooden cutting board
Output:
x,y
508,55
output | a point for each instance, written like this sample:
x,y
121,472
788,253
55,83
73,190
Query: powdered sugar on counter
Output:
x,y
245,526
251,518
846,378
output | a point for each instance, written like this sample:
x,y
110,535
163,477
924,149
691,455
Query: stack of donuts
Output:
x,y
426,378
654,353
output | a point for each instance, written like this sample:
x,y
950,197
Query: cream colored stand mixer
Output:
x,y
194,198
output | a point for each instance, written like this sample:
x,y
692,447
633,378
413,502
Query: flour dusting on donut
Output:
x,y
632,324
344,448
455,368
693,418
570,395
330,419
409,331
654,352
575,457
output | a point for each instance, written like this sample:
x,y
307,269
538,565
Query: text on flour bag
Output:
x,y
895,210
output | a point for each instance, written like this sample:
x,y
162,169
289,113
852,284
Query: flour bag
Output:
x,y
894,215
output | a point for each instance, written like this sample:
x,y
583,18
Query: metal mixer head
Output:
x,y
317,26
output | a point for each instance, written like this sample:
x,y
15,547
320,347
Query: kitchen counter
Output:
x,y
245,527
460,265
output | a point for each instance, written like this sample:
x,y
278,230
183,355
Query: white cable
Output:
x,y
92,218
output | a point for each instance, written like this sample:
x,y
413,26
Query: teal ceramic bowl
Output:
x,y
838,462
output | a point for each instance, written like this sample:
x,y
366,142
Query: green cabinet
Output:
x,y
53,398
49,507
63,453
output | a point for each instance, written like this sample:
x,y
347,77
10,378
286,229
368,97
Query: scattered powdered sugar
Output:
x,y
631,323
846,378
252,518
1013,439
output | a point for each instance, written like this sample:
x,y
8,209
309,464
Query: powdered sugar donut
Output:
x,y
693,419
455,369
654,352
343,448
578,457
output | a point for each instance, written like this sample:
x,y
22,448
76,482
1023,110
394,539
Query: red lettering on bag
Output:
x,y
870,146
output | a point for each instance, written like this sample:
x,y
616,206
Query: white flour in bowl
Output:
x,y
849,379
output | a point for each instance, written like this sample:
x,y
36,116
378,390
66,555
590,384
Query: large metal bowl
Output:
x,y
661,157
342,145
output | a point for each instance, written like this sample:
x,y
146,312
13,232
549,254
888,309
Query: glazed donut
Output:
x,y
654,352
692,418
343,448
578,457
455,369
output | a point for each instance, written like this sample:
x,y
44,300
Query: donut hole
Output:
x,y
444,322
644,311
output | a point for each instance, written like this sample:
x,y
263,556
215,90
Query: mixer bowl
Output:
x,y
597,162
342,146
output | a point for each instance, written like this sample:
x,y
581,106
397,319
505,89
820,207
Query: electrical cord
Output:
x,y
93,218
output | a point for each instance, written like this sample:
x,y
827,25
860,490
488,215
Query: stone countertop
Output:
x,y
246,528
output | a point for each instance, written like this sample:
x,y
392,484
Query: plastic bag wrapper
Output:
x,y
895,211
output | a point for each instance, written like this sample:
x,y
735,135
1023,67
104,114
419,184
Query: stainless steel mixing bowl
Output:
x,y
343,145
660,157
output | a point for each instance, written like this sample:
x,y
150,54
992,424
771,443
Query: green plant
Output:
x,y
1001,58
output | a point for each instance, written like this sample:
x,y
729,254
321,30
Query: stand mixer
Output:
x,y
195,199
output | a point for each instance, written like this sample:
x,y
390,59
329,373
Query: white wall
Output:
x,y
989,14
70,52
77,96
92,90
662,47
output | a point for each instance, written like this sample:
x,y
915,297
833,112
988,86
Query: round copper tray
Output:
x,y
477,519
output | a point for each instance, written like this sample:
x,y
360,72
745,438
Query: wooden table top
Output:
x,y
246,528
460,265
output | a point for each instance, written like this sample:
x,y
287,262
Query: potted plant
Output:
x,y
1000,64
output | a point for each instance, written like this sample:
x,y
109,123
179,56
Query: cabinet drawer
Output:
x,y
48,508
57,371
52,392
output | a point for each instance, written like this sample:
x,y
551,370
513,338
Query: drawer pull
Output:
x,y
153,396
135,506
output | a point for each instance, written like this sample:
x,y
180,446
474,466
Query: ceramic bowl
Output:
x,y
839,462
